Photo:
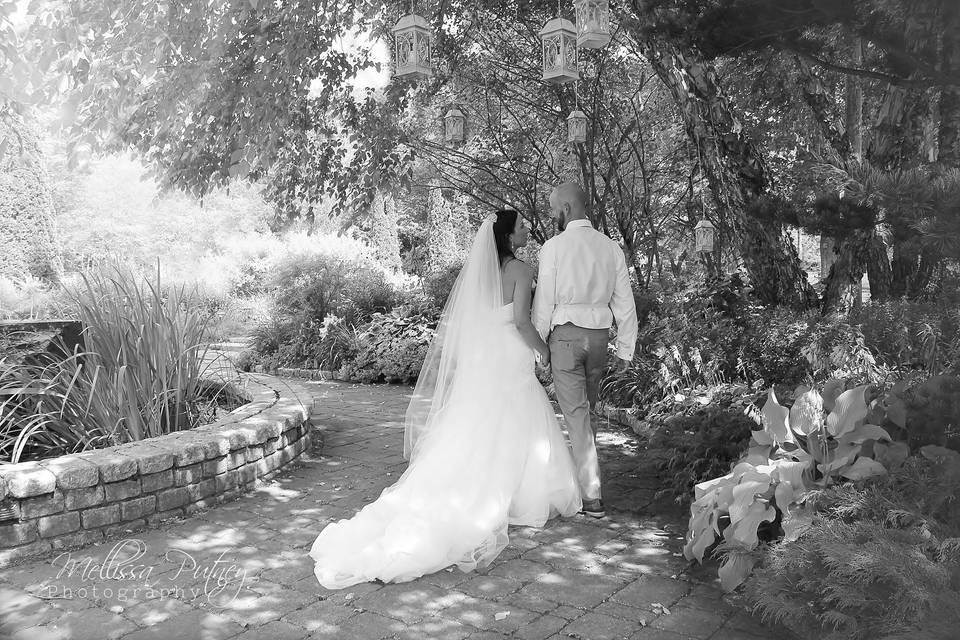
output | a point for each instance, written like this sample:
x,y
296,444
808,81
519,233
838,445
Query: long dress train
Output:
x,y
498,457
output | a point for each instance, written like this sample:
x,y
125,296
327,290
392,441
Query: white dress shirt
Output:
x,y
583,279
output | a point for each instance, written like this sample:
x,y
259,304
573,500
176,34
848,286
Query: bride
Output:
x,y
484,445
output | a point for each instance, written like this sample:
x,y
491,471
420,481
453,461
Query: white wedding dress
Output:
x,y
493,456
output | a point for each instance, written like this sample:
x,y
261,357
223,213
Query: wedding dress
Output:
x,y
485,448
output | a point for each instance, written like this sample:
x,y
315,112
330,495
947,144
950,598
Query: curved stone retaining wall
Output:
x,y
79,499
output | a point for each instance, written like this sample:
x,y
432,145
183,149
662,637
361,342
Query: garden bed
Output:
x,y
78,499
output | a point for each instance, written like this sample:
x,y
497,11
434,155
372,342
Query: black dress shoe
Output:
x,y
593,508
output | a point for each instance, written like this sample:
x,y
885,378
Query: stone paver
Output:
x,y
241,570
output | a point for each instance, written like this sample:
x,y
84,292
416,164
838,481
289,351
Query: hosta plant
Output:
x,y
822,438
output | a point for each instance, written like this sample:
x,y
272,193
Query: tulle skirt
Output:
x,y
496,457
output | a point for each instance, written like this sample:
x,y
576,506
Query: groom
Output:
x,y
582,287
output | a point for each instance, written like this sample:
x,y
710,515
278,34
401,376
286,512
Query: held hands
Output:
x,y
543,358
622,365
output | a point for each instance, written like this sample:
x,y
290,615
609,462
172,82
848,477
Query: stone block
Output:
x,y
113,465
18,533
172,498
52,526
42,505
216,466
72,472
248,474
150,459
3,488
27,479
156,481
254,453
202,489
270,446
188,452
188,475
114,491
226,481
237,458
82,498
100,516
138,507
237,437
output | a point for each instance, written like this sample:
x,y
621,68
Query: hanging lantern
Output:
x,y
453,124
703,233
412,35
593,23
559,39
577,126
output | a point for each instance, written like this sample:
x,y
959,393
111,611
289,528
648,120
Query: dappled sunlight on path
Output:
x,y
241,570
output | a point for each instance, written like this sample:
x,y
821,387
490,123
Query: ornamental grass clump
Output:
x,y
138,376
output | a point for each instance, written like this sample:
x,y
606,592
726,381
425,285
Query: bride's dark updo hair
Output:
x,y
502,229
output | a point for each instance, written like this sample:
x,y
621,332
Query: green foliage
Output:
x,y
905,335
700,436
820,439
877,558
308,288
438,284
139,376
26,205
394,347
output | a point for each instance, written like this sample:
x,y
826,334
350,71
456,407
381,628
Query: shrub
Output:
x,y
308,288
700,436
817,441
439,284
880,557
905,335
393,349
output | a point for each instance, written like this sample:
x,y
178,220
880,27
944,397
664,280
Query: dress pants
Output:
x,y
578,359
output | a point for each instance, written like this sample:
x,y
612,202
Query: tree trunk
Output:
x,y
735,173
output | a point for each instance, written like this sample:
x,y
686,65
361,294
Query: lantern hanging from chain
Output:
x,y
454,125
593,23
559,38
704,236
577,126
413,47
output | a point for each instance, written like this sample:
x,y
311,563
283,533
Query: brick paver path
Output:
x,y
241,570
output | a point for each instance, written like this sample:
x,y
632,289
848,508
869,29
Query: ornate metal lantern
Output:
x,y
453,124
593,23
412,37
559,39
577,126
704,235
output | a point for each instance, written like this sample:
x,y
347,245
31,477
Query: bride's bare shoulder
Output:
x,y
518,269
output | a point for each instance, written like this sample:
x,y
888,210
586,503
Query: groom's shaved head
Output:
x,y
572,194
568,202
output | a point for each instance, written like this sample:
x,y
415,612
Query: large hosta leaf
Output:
x,y
735,569
831,391
864,468
744,496
702,529
776,420
806,414
848,412
744,530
